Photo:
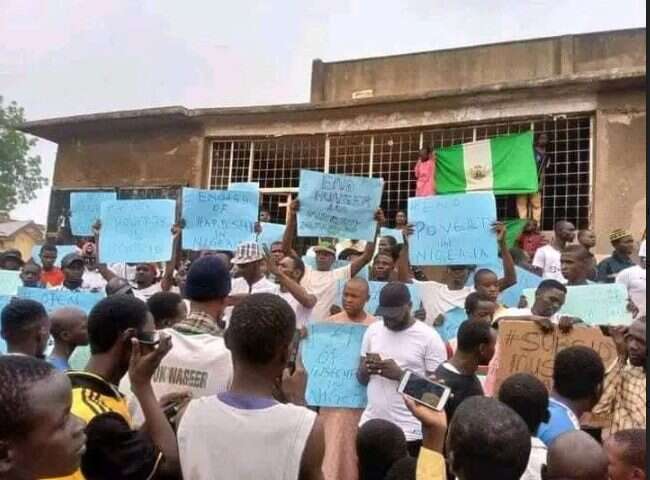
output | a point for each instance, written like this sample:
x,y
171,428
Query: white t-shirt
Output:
x,y
145,293
438,299
93,281
323,285
548,259
537,458
634,280
420,349
303,314
240,286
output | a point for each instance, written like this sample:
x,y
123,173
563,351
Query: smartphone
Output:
x,y
293,353
424,391
373,357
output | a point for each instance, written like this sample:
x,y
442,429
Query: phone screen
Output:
x,y
424,390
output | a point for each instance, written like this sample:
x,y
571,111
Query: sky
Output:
x,y
67,57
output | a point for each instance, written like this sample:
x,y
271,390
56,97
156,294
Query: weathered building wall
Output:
x,y
158,157
465,68
620,168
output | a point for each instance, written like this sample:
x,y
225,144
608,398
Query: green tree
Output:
x,y
20,172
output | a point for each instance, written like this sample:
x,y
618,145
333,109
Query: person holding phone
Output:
x,y
389,348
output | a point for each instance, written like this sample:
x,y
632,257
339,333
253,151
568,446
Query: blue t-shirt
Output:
x,y
59,363
562,420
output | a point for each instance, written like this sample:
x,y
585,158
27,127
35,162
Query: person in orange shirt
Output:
x,y
341,424
51,276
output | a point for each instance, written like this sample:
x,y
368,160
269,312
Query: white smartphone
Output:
x,y
424,391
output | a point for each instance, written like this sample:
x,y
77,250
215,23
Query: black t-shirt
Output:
x,y
462,387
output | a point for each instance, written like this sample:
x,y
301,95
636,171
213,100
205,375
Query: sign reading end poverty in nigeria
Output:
x,y
218,219
453,229
331,354
136,231
338,205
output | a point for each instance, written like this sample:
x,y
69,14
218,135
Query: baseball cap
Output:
x,y
326,245
207,279
392,299
70,258
247,252
12,253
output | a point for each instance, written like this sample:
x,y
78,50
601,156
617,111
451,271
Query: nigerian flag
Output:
x,y
504,165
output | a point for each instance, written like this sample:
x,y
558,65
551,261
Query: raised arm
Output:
x,y
102,268
305,299
509,273
404,272
167,279
290,229
366,257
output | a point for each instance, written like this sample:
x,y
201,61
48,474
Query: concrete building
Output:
x,y
371,116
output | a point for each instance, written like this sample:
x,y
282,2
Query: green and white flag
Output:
x,y
504,165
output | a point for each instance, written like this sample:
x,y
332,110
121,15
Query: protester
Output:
x,y
277,252
322,281
476,343
340,424
92,278
383,267
288,273
575,455
73,270
265,216
624,394
351,251
51,275
390,347
387,244
578,374
530,205
69,329
199,364
626,455
547,258
487,439
11,259
531,239
401,219
379,445
621,258
245,433
575,263
479,309
122,338
30,274
587,238
527,396
167,308
38,436
425,173
634,280
25,327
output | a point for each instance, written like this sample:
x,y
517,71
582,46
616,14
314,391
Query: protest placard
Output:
x,y
524,348
331,354
451,323
595,304
247,186
136,231
85,209
453,229
525,280
61,251
55,299
10,282
392,232
218,219
271,233
374,290
338,205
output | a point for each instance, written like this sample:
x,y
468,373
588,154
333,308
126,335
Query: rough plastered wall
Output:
x,y
131,158
620,166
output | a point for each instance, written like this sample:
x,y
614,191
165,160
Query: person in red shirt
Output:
x,y
51,276
530,239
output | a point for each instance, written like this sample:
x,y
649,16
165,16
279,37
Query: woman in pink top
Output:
x,y
425,174
341,424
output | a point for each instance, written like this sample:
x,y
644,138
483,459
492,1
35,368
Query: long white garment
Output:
x,y
217,440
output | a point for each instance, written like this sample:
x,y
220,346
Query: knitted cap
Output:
x,y
207,279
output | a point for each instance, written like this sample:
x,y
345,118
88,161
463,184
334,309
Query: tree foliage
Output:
x,y
20,172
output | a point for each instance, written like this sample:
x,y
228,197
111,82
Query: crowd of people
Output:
x,y
194,370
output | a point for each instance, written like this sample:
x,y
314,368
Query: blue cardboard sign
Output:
x,y
595,304
392,232
451,323
218,219
374,290
85,210
10,282
338,205
247,186
61,251
453,229
136,231
331,354
55,299
271,233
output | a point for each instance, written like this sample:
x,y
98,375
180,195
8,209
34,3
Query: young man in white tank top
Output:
x,y
244,433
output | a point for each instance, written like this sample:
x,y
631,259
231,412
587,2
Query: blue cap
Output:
x,y
208,279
